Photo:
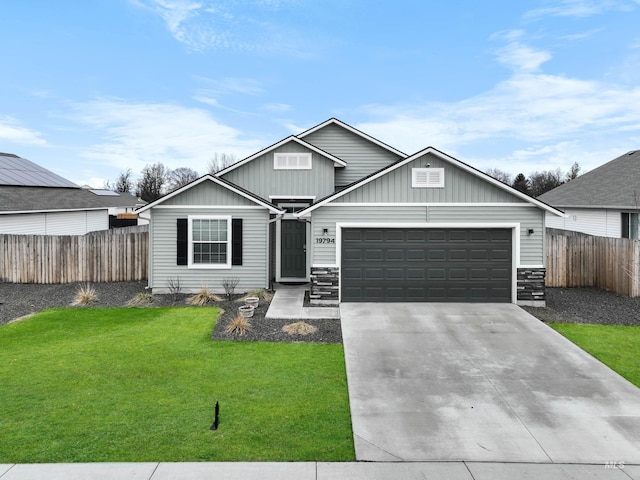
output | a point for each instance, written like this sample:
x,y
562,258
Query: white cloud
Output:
x,y
12,131
277,107
580,8
522,57
137,134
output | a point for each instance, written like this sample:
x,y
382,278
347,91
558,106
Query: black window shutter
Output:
x,y
181,243
236,241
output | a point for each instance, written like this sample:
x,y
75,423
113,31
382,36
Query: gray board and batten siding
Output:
x,y
259,176
362,156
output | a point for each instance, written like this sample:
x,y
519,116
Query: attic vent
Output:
x,y
427,177
292,161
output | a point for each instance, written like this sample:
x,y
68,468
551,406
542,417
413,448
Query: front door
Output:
x,y
293,253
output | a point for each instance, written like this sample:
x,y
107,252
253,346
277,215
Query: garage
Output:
x,y
426,264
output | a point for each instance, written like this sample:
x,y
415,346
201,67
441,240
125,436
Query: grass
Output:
x,y
203,297
615,346
238,326
137,385
85,295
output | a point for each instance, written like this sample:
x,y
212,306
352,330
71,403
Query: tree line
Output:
x,y
536,183
156,179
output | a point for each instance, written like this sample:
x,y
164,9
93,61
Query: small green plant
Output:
x,y
142,299
299,328
238,326
203,297
85,295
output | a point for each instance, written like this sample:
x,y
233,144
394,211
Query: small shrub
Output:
x,y
299,328
141,299
203,297
175,287
261,293
238,326
229,285
85,295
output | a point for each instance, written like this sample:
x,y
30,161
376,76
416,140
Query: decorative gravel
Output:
x,y
19,300
588,305
564,305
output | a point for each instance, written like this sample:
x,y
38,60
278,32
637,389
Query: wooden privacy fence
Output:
x,y
116,255
580,260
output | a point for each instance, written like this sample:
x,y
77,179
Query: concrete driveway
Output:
x,y
480,382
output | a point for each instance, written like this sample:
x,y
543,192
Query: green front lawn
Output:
x,y
615,346
136,385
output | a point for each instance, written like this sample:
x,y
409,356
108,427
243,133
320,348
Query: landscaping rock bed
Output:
x,y
19,300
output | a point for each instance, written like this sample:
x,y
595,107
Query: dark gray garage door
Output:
x,y
433,265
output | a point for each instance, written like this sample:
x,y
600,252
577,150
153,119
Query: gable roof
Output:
x,y
335,121
15,170
616,184
443,156
218,181
18,199
292,138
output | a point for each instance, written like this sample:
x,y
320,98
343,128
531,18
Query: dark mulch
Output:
x,y
588,305
270,330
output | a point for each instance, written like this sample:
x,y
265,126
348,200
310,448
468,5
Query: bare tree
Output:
x,y
220,161
498,174
151,186
542,182
180,177
124,182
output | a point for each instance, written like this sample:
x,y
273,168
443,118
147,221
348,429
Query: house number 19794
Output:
x,y
325,240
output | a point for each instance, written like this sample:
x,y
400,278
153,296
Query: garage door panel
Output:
x,y
439,265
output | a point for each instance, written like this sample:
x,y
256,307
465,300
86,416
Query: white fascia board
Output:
x,y
264,151
446,158
431,204
215,180
371,139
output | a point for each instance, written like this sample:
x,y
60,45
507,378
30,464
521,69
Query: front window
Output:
x,y
209,242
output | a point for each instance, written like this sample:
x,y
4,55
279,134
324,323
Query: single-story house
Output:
x,y
36,201
603,202
358,219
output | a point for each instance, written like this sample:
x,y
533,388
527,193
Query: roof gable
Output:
x,y
614,184
420,156
335,121
220,182
337,161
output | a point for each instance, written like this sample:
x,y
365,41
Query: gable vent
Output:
x,y
427,177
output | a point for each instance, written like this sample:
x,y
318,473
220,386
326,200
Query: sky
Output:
x,y
91,88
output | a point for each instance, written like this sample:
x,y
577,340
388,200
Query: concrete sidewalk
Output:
x,y
317,471
288,303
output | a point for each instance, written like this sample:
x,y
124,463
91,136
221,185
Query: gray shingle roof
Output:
x,y
23,199
614,184
15,170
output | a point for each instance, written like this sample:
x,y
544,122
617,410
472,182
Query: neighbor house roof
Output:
x,y
616,184
218,181
441,155
337,161
21,199
15,170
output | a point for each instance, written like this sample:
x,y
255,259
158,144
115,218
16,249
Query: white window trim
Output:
x,y
307,165
431,173
216,266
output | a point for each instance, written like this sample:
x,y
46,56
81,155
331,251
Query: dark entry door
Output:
x,y
293,255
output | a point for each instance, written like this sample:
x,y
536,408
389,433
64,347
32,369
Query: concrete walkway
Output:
x,y
316,471
288,303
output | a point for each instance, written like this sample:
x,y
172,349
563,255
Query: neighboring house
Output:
x,y
34,200
603,202
359,219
